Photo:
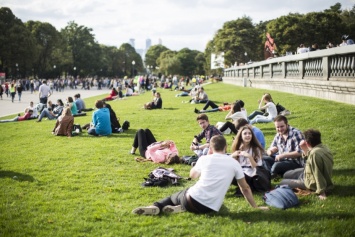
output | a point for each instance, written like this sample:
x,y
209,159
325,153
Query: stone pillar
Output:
x,y
326,68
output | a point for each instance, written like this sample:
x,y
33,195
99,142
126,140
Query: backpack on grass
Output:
x,y
161,177
125,125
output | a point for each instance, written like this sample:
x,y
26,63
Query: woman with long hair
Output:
x,y
64,124
247,150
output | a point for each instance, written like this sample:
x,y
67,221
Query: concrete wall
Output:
x,y
327,74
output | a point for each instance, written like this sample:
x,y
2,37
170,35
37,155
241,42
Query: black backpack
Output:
x,y
161,177
125,125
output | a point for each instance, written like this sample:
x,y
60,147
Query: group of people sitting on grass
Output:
x,y
300,158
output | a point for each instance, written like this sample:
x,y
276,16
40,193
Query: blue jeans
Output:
x,y
256,112
45,113
261,119
9,120
281,167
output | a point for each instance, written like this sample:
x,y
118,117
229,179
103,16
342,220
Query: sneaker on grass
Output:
x,y
151,210
173,209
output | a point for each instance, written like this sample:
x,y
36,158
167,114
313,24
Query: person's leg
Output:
x,y
229,125
149,136
176,199
142,140
92,131
280,167
43,114
260,119
268,162
256,112
207,111
294,179
208,104
293,174
9,120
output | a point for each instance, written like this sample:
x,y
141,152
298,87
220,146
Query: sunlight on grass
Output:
x,y
88,186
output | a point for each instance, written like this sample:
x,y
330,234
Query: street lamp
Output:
x,y
246,59
74,72
148,69
16,70
133,63
54,67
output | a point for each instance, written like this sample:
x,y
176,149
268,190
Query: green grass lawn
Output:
x,y
88,186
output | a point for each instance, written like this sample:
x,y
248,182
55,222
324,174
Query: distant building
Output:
x,y
160,42
132,43
148,43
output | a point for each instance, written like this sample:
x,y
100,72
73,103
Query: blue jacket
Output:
x,y
102,122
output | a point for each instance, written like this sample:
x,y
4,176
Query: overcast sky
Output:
x,y
178,23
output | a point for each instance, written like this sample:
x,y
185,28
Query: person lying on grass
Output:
x,y
26,116
158,152
207,194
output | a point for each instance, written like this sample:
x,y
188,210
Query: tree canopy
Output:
x,y
38,49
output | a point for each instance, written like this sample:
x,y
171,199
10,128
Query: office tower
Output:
x,y
160,41
148,43
131,42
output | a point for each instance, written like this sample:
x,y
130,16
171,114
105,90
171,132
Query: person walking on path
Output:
x,y
44,92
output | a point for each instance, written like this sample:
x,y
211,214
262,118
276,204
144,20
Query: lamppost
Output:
x,y
74,72
54,67
133,63
148,69
246,59
16,70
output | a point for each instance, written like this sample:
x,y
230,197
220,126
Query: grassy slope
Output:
x,y
87,186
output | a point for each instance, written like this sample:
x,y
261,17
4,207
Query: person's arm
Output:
x,y
229,114
194,173
250,157
292,154
246,191
271,151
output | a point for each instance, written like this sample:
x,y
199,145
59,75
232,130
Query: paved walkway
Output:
x,y
9,108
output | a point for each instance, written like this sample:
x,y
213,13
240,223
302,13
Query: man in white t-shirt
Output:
x,y
44,92
215,172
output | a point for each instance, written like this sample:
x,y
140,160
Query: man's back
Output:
x,y
217,172
44,90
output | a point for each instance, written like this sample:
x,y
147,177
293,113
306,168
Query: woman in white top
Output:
x,y
247,150
270,108
237,111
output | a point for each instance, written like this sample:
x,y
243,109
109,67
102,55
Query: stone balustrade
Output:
x,y
327,74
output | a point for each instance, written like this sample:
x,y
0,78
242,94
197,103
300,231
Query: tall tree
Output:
x,y
47,40
236,38
85,50
132,61
153,54
188,62
16,45
169,63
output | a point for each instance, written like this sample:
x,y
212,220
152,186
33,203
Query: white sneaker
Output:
x,y
173,209
151,210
